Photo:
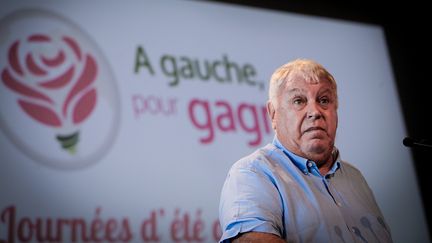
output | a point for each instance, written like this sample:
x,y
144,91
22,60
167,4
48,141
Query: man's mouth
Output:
x,y
310,129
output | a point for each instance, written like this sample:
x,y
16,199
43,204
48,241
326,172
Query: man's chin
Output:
x,y
316,147
317,144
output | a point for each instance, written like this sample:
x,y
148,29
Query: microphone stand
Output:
x,y
416,143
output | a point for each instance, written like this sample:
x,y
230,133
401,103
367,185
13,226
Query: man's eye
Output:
x,y
324,101
297,101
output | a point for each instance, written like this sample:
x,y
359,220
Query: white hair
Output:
x,y
304,69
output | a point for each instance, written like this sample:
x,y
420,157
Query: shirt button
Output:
x,y
309,164
339,204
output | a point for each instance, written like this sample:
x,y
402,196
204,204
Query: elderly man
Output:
x,y
297,189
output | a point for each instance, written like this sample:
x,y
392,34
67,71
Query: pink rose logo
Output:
x,y
59,100
54,81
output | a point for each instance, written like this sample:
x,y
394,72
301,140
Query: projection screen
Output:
x,y
119,120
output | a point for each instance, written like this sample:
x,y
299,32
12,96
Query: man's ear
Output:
x,y
271,113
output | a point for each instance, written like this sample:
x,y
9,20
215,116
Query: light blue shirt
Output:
x,y
275,191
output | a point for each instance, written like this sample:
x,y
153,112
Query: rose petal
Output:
x,y
60,81
13,58
39,38
72,44
84,106
40,113
33,67
23,89
52,62
87,77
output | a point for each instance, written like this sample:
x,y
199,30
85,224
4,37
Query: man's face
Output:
x,y
305,119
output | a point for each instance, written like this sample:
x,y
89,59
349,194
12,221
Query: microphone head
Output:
x,y
408,142
417,143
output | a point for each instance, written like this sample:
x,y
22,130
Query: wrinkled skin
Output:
x,y
305,120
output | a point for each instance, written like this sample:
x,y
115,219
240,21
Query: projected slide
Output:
x,y
119,121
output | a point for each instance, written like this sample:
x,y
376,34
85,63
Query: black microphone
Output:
x,y
411,142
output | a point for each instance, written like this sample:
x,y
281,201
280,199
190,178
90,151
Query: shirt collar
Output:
x,y
302,163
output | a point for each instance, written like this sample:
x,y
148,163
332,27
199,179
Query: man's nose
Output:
x,y
313,111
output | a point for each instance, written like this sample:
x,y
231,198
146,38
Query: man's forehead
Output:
x,y
304,86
